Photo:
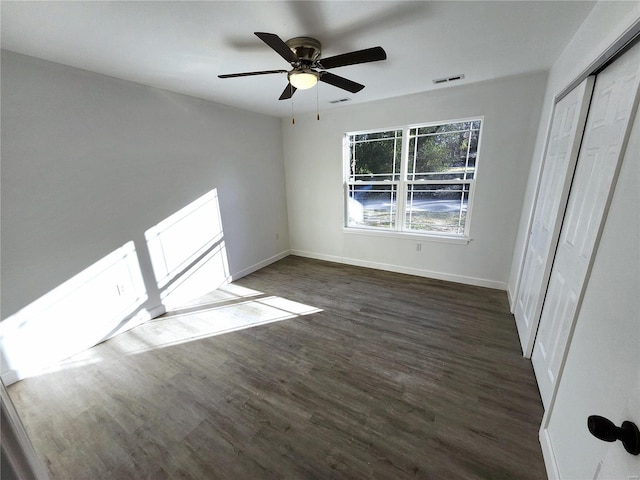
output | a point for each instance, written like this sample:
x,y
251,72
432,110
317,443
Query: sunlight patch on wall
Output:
x,y
181,238
74,316
206,275
188,252
189,260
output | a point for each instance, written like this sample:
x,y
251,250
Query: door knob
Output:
x,y
604,429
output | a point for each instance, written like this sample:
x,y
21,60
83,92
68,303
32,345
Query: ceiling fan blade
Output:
x,y
340,82
374,54
249,74
276,43
288,92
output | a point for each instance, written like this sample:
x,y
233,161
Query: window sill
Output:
x,y
460,240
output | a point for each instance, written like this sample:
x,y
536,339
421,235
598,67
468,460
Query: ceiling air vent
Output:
x,y
340,100
448,79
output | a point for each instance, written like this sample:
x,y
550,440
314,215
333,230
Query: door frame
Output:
x,y
624,42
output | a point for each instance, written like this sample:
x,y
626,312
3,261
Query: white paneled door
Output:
x,y
607,129
568,122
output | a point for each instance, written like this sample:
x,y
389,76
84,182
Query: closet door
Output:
x,y
613,105
563,144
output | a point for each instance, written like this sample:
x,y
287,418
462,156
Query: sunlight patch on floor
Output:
x,y
210,320
230,308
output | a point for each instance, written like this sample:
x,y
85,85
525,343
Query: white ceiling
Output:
x,y
184,46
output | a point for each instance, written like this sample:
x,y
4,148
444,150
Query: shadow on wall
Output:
x,y
189,259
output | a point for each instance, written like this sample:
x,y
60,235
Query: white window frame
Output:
x,y
401,188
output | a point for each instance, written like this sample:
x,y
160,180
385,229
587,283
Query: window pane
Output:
x,y
439,208
372,205
443,152
375,156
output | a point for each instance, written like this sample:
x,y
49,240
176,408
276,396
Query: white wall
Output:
x,y
313,167
604,24
90,162
601,371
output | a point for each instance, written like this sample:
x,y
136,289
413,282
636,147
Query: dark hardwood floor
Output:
x,y
395,377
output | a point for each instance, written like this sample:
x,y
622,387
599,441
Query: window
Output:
x,y
415,179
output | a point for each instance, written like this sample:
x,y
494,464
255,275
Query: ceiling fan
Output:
x,y
303,53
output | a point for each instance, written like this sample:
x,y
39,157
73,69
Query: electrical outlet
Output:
x,y
418,247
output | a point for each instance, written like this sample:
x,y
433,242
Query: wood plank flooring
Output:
x,y
395,377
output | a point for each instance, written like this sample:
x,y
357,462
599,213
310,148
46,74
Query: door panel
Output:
x,y
608,126
559,163
601,374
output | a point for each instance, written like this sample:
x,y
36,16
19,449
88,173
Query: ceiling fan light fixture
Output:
x,y
303,80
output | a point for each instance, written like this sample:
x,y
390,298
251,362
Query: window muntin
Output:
x,y
375,156
422,185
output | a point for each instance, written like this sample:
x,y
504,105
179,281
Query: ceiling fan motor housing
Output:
x,y
306,48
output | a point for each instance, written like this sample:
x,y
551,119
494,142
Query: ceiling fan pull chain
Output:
x,y
293,118
317,102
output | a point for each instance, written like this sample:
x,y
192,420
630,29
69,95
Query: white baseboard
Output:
x,y
547,454
449,277
156,311
259,265
9,377
511,298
